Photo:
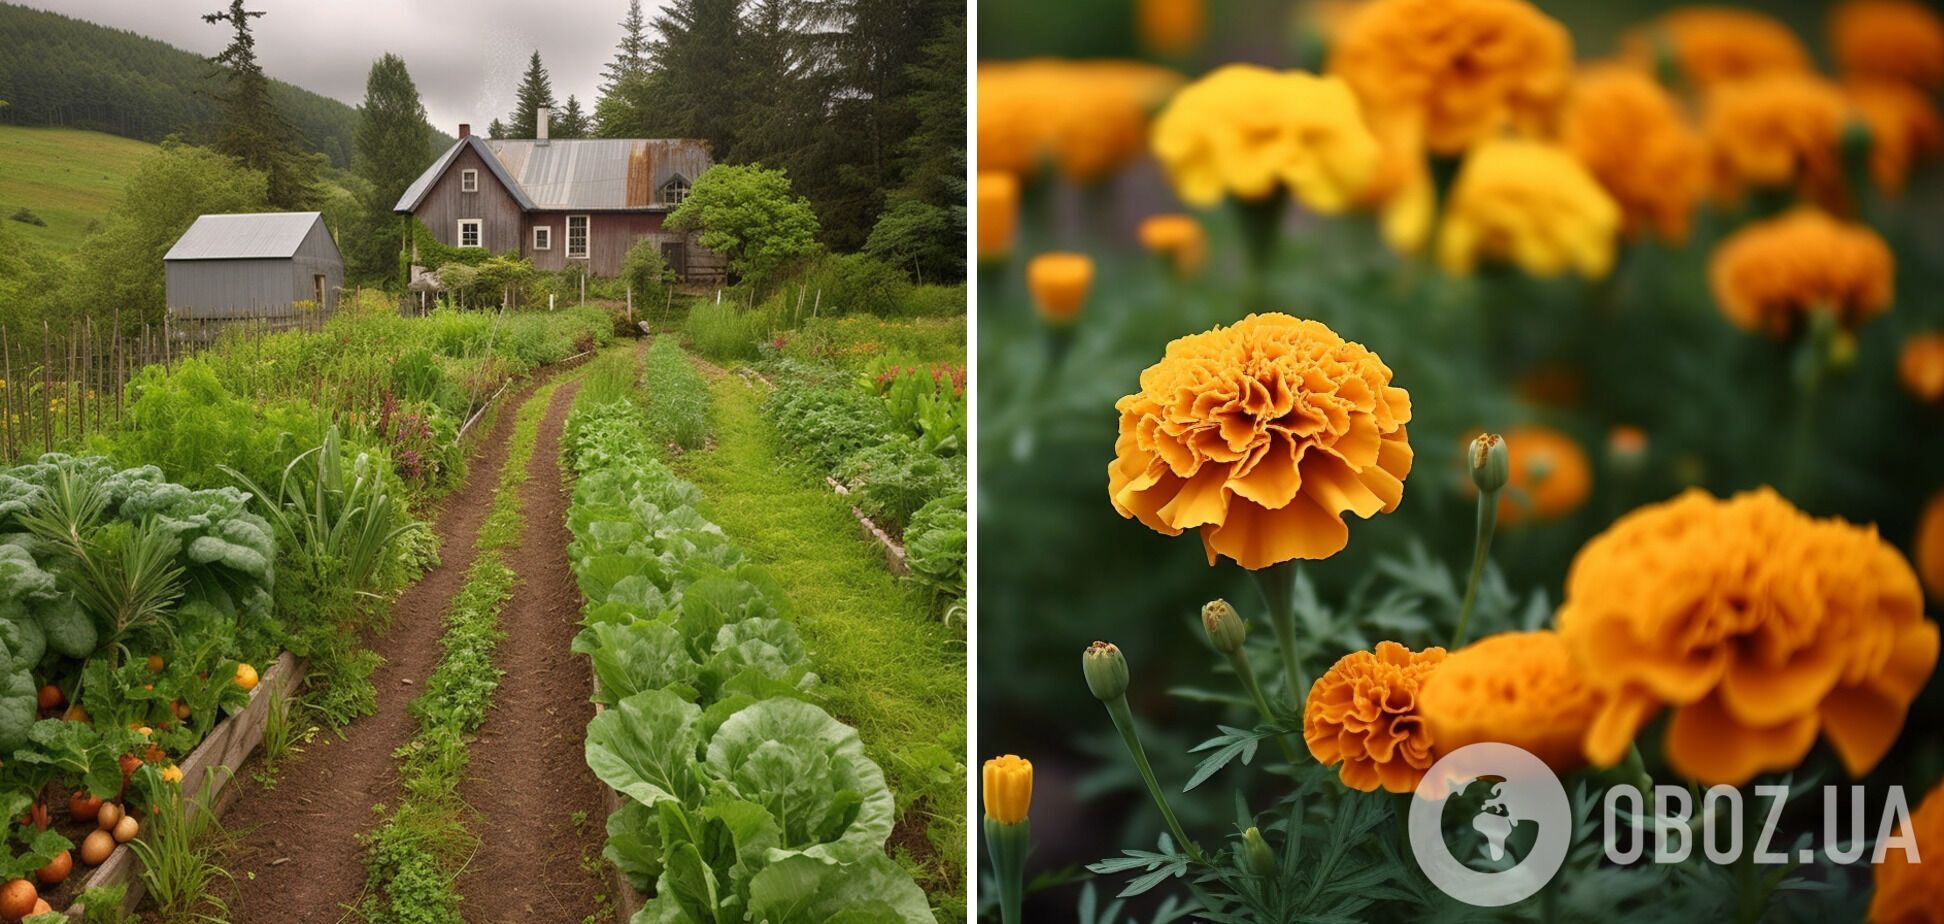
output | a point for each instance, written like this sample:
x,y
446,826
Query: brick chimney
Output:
x,y
541,116
465,130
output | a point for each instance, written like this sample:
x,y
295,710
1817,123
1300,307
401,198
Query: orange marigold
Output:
x,y
1634,139
1930,546
1713,44
1461,69
1891,39
1766,276
1177,238
1779,131
1171,26
1906,892
998,213
1059,283
1921,366
1363,713
1518,688
1758,624
1088,118
1262,435
1904,129
1550,476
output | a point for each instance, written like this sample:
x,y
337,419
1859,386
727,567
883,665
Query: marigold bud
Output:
x,y
1225,627
1256,855
1008,789
1490,463
1106,671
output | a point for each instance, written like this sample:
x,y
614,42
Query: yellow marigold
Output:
x,y
1768,275
1518,688
1549,476
1262,435
1529,204
1177,237
1462,69
1008,790
1930,546
1088,118
1059,283
1921,366
1363,714
1890,39
1778,131
1758,624
1634,139
1171,26
1251,133
1907,892
1714,44
1904,129
998,213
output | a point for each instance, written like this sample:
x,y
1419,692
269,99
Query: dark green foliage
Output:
x,y
751,216
26,216
924,240
536,90
854,283
572,122
647,276
393,146
252,129
631,53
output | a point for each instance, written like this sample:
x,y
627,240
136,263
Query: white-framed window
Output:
x,y
577,237
471,232
468,181
675,190
542,237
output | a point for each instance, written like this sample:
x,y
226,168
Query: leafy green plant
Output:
x,y
891,480
935,545
677,398
344,519
180,848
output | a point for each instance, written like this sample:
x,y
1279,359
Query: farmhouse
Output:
x,y
264,265
557,202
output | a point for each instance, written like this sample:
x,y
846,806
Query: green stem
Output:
x,y
1481,546
1124,720
1008,845
1239,659
1278,585
1261,221
1636,771
1811,371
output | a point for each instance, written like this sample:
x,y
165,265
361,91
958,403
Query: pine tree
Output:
x,y
572,122
695,60
253,131
631,55
536,90
393,146
496,130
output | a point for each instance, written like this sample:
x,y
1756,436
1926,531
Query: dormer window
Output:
x,y
468,181
675,190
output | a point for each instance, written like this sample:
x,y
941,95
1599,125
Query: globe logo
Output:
x,y
1520,815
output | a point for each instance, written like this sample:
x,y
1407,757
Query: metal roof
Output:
x,y
581,173
260,235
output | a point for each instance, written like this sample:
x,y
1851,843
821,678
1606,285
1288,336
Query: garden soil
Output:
x,y
297,856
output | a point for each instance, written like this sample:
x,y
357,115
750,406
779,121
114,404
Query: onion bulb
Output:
x,y
96,847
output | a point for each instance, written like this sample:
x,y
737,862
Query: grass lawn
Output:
x,y
66,176
889,669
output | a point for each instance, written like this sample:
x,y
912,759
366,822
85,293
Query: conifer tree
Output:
x,y
536,90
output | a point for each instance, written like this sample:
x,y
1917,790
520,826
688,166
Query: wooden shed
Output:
x,y
263,265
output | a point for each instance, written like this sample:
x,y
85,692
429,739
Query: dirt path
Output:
x,y
298,858
529,776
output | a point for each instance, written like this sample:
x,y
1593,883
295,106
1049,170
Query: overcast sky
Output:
x,y
465,55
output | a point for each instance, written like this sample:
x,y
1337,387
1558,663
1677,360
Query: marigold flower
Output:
x,y
1530,204
998,213
1089,118
1904,129
1626,441
1008,789
1549,476
1171,26
1921,366
1363,714
1250,132
1633,139
1059,283
1758,624
1778,131
1768,275
1462,69
1518,688
1907,892
1889,39
1714,44
1178,238
1262,435
1930,546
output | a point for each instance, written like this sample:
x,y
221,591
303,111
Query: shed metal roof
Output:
x,y
262,235
580,173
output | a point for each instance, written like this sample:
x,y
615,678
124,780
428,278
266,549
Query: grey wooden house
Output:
x,y
264,265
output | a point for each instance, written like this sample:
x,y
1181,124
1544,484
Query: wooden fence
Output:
x,y
74,381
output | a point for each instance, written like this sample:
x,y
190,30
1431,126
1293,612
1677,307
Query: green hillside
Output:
x,y
68,177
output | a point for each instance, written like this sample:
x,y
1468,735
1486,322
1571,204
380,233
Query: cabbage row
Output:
x,y
744,799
